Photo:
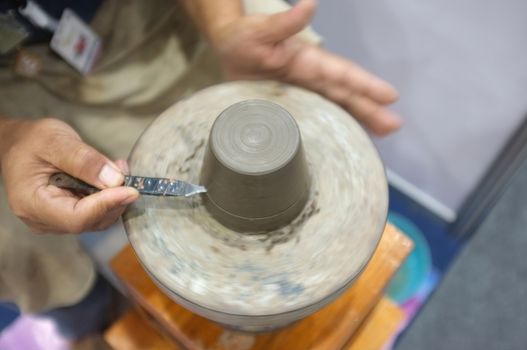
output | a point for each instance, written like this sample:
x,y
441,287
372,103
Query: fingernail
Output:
x,y
131,198
393,122
389,89
110,177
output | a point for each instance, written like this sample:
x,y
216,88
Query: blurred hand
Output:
x,y
265,47
42,148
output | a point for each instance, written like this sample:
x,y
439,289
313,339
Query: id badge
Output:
x,y
76,42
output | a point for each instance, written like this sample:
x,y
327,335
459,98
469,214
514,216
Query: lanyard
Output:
x,y
37,16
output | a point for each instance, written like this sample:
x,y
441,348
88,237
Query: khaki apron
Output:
x,y
152,56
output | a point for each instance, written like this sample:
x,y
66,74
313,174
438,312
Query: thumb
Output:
x,y
82,161
285,24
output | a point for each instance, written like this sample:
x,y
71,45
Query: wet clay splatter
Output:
x,y
267,240
292,230
177,166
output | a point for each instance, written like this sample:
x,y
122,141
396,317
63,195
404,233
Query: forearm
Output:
x,y
210,15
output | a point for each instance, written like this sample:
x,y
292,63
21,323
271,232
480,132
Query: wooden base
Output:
x,y
333,327
378,328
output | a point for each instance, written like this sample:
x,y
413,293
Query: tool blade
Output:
x,y
156,186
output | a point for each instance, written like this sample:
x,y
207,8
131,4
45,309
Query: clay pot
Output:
x,y
254,167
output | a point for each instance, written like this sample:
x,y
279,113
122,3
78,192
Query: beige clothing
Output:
x,y
152,56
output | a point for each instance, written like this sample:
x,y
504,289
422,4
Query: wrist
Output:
x,y
9,132
212,16
215,32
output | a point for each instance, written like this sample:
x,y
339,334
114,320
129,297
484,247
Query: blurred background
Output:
x,y
457,169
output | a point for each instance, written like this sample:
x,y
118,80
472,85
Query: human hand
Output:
x,y
39,149
265,47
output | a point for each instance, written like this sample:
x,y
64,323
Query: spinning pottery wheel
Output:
x,y
262,279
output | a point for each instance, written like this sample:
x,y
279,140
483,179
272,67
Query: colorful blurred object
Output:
x,y
30,332
414,272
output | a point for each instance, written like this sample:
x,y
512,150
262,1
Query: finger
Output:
x,y
374,116
364,83
73,215
82,161
50,227
99,207
341,71
111,218
123,166
322,71
285,24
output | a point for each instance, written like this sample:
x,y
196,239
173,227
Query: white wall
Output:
x,y
461,69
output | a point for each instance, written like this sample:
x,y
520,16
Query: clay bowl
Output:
x,y
263,280
254,168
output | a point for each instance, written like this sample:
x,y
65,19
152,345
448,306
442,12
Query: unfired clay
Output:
x,y
254,167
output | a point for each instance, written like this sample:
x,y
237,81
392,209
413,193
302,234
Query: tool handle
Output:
x,y
68,182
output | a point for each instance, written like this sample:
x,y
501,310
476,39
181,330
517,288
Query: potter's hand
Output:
x,y
30,152
265,47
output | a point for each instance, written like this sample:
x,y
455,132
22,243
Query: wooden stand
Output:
x,y
359,319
